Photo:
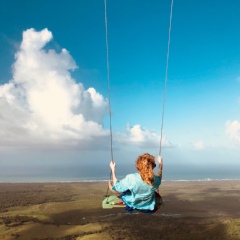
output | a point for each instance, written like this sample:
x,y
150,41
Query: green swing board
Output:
x,y
112,201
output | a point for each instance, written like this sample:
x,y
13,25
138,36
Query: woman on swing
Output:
x,y
138,190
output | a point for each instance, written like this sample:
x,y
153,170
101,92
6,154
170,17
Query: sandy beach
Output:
x,y
67,211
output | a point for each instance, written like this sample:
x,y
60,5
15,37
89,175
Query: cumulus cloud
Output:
x,y
233,130
43,104
141,137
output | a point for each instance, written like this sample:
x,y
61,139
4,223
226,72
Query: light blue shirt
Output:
x,y
141,195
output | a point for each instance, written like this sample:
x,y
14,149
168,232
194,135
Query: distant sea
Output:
x,y
88,173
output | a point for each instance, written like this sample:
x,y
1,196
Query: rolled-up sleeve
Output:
x,y
122,185
157,182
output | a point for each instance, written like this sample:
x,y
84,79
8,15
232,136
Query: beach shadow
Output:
x,y
143,227
196,212
137,226
207,199
84,216
178,220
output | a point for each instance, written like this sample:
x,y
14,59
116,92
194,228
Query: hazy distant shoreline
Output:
x,y
103,181
101,173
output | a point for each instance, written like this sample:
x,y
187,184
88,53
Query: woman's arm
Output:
x,y
160,166
113,166
119,186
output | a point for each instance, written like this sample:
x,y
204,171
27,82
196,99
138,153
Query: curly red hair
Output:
x,y
145,164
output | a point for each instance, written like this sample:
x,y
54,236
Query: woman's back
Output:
x,y
136,193
138,190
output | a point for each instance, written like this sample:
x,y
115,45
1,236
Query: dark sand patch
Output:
x,y
193,210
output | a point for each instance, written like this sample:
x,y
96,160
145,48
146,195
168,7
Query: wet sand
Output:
x,y
67,211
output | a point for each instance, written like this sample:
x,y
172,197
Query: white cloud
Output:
x,y
138,136
43,104
233,130
198,145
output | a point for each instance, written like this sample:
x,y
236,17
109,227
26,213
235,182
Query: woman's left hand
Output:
x,y
112,165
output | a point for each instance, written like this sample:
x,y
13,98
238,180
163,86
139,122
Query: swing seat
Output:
x,y
112,201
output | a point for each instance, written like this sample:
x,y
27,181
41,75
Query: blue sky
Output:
x,y
53,81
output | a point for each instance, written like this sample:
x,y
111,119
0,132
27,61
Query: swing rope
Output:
x,y
109,89
108,77
166,77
